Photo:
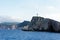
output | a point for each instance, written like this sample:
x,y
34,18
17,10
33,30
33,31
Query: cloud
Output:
x,y
18,19
9,19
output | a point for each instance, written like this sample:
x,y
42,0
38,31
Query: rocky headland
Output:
x,y
42,24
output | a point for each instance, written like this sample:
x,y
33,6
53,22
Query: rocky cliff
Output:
x,y
43,24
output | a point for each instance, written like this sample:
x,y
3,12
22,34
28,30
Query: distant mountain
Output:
x,y
9,23
24,23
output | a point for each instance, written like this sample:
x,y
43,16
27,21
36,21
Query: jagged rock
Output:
x,y
55,25
44,24
39,23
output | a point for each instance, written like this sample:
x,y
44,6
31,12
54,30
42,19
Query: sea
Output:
x,y
27,35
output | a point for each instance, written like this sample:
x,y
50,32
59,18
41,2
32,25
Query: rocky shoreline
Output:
x,y
42,24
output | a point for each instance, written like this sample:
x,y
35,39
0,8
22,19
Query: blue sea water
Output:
x,y
25,35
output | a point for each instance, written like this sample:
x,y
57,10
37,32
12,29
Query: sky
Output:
x,y
21,10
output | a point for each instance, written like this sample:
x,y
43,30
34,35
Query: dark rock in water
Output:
x,y
39,23
55,26
44,24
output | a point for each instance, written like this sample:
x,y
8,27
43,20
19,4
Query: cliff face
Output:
x,y
44,24
39,23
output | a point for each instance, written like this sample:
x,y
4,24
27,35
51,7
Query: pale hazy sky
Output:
x,y
25,9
